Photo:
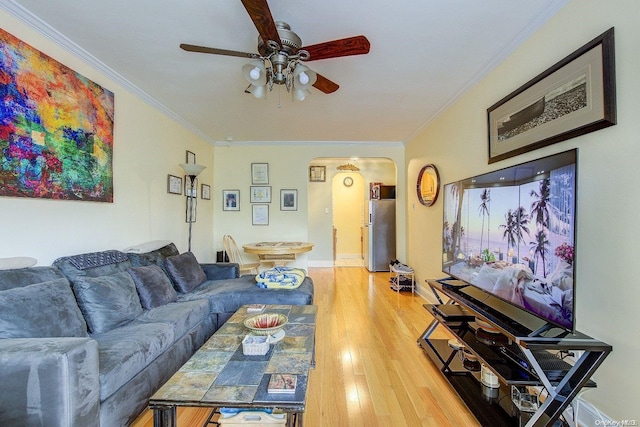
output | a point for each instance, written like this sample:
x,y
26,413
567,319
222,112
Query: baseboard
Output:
x,y
589,416
321,264
348,256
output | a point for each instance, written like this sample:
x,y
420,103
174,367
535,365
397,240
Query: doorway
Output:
x,y
348,197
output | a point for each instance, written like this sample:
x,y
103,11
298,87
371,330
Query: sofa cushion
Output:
x,y
94,264
107,301
227,296
154,257
124,352
181,316
185,272
153,285
41,310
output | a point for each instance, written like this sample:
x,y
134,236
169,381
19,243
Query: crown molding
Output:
x,y
61,40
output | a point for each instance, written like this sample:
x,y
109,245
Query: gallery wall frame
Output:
x,y
260,194
260,214
190,157
288,200
187,187
174,184
575,96
317,173
230,200
259,173
205,192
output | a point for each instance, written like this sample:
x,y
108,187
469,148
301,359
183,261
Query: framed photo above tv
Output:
x,y
574,97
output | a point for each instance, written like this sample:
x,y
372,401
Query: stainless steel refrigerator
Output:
x,y
380,234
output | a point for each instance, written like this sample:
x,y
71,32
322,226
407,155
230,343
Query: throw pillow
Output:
x,y
107,301
154,287
41,310
185,272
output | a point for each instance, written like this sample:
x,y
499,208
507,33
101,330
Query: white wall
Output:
x,y
289,168
607,292
147,146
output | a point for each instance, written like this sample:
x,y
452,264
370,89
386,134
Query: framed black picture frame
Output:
x,y
230,200
575,96
288,200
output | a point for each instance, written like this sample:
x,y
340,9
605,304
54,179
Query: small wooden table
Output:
x,y
277,253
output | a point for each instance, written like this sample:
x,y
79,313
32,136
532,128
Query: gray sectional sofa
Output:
x,y
87,341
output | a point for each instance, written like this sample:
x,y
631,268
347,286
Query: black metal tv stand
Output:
x,y
524,356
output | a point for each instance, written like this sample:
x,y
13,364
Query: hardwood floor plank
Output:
x,y
369,369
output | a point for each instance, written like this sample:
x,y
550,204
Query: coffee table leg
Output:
x,y
295,419
164,416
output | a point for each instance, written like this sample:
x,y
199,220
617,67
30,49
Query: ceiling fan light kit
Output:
x,y
279,58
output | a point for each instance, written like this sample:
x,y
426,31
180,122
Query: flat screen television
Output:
x,y
511,233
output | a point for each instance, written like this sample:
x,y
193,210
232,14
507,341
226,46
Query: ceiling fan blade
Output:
x,y
204,49
358,45
260,14
325,85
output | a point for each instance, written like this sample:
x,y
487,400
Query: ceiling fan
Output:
x,y
280,53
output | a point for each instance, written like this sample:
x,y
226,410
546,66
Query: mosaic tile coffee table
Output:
x,y
220,375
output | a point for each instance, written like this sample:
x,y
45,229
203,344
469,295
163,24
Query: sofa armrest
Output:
x,y
49,381
221,270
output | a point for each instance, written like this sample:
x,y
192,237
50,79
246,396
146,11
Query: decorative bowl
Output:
x,y
266,323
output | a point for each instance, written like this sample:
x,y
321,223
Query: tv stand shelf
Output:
x,y
520,355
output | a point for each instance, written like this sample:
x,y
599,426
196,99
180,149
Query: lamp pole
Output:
x,y
192,170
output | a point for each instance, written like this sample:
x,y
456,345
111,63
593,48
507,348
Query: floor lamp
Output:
x,y
191,170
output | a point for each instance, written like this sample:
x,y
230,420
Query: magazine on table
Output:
x,y
282,383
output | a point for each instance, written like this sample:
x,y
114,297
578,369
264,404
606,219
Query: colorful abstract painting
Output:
x,y
56,128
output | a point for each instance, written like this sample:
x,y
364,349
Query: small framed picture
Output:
x,y
205,192
191,157
288,200
230,200
187,187
259,173
260,194
192,209
317,173
260,214
174,184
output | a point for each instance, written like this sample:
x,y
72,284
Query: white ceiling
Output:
x,y
424,55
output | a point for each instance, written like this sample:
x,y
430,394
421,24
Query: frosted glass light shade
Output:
x,y
255,73
192,169
259,92
303,77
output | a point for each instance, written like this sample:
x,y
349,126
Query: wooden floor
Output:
x,y
369,369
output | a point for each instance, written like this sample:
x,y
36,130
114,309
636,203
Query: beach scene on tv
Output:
x,y
514,238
